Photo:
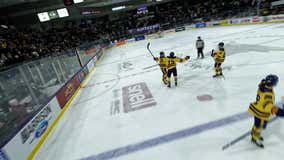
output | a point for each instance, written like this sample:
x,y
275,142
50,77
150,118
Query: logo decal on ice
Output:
x,y
204,97
126,66
137,96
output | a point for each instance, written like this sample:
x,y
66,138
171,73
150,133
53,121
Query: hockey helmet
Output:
x,y
221,45
271,80
172,54
162,54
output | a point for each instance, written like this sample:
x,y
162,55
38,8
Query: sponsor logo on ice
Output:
x,y
136,97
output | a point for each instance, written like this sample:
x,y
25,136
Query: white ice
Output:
x,y
253,51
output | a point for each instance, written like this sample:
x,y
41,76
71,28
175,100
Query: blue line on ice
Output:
x,y
168,137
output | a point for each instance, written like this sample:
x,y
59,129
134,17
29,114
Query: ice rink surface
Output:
x,y
125,112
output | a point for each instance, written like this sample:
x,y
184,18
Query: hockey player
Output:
x,y
219,57
162,60
264,108
199,47
171,67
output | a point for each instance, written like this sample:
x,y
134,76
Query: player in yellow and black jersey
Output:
x,y
163,61
171,66
264,108
219,58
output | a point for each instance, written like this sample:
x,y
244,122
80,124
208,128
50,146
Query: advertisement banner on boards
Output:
x,y
82,74
265,18
234,21
256,19
200,25
151,36
67,91
181,28
213,23
3,156
190,26
95,59
90,65
130,40
168,31
90,51
120,43
139,38
246,20
225,22
28,137
144,29
276,18
99,55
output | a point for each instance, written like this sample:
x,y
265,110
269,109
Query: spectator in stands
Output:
x,y
25,44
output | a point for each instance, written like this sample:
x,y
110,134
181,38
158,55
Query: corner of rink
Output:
x,y
66,107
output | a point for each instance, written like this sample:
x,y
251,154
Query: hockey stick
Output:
x,y
148,48
243,136
236,140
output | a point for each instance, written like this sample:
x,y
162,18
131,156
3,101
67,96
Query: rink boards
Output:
x,y
28,140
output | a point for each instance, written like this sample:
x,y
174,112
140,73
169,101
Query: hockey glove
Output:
x,y
212,53
280,113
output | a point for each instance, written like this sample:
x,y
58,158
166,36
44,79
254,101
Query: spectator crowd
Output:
x,y
18,45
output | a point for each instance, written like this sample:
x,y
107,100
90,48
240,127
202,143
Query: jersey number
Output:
x,y
257,99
